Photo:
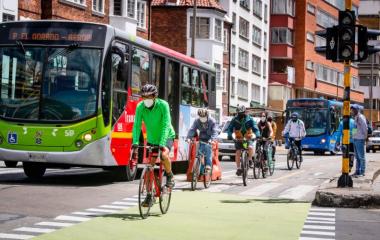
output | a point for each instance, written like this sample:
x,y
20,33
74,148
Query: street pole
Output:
x,y
345,179
371,89
194,29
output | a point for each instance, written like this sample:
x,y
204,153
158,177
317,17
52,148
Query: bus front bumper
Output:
x,y
94,154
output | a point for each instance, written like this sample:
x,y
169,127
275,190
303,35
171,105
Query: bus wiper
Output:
x,y
21,45
65,51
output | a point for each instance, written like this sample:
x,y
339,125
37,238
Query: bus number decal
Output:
x,y
130,118
69,133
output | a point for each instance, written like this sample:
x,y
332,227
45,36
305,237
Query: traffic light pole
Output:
x,y
345,179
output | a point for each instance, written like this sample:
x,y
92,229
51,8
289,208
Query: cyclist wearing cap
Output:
x,y
244,126
295,128
208,131
160,132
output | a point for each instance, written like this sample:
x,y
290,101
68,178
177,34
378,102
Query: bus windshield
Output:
x,y
316,120
48,83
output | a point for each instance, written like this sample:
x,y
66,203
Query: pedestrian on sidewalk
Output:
x,y
339,136
359,135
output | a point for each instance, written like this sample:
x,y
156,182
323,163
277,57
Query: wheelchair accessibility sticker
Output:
x,y
12,138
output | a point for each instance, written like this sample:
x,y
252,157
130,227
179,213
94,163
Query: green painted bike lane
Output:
x,y
194,215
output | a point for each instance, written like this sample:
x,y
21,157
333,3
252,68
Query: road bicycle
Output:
x,y
152,185
244,163
293,155
199,169
260,165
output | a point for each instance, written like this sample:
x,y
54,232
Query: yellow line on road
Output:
x,y
289,175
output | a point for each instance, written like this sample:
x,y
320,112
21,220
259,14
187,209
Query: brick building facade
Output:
x,y
296,69
80,10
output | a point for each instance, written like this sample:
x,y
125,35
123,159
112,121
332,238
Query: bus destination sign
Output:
x,y
307,104
50,34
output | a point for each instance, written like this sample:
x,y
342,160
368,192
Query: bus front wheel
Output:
x,y
34,170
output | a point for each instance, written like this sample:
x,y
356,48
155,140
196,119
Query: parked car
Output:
x,y
373,142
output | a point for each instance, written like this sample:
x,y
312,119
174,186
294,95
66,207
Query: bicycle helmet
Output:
x,y
149,90
240,109
203,112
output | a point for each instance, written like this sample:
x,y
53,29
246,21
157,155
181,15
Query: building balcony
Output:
x,y
283,51
286,21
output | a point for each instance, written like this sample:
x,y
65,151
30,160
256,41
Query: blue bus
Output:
x,y
321,118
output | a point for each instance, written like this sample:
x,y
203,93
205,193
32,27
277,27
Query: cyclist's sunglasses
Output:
x,y
149,96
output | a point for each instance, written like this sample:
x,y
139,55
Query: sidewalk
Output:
x,y
365,191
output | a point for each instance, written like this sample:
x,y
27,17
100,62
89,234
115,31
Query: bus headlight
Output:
x,y
87,137
79,143
323,140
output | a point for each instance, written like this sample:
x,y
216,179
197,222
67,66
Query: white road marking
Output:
x,y
313,238
88,213
318,233
131,199
321,219
101,210
318,173
14,236
322,209
332,228
319,222
125,203
259,190
55,224
217,188
288,175
72,218
113,207
297,192
324,214
35,230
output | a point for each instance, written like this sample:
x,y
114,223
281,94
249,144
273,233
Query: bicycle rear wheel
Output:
x,y
165,196
290,159
145,191
244,167
271,167
256,166
207,178
195,174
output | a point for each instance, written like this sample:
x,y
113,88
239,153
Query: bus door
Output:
x,y
173,92
158,75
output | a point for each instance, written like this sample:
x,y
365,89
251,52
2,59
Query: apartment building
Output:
x,y
296,69
248,83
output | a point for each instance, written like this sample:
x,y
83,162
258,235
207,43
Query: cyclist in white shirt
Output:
x,y
295,129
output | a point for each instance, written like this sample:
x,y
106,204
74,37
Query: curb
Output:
x,y
362,195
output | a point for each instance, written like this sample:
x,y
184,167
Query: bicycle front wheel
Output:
x,y
207,178
145,192
290,160
244,167
271,167
165,196
256,166
298,161
195,174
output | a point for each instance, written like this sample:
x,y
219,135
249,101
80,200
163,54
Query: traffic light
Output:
x,y
331,48
346,46
364,49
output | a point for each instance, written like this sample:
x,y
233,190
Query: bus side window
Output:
x,y
204,90
196,88
186,86
158,75
140,70
173,92
106,90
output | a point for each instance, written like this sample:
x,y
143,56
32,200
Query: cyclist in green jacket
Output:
x,y
156,116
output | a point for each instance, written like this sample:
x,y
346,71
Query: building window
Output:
x,y
242,89
256,35
117,8
310,8
337,3
309,65
264,95
256,64
141,14
233,22
283,7
243,28
81,2
203,27
257,7
224,83
244,4
255,93
320,41
265,12
218,30
8,17
282,35
310,37
98,5
265,40
218,75
131,8
233,54
233,86
325,20
243,59
264,68
225,40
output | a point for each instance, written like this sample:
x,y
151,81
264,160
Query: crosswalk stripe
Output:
x,y
318,233
54,224
87,213
131,199
72,218
34,230
319,222
321,219
113,207
217,188
14,236
313,238
259,190
324,214
297,192
101,210
288,175
322,210
319,227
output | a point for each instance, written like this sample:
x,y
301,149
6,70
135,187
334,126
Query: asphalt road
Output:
x,y
27,205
